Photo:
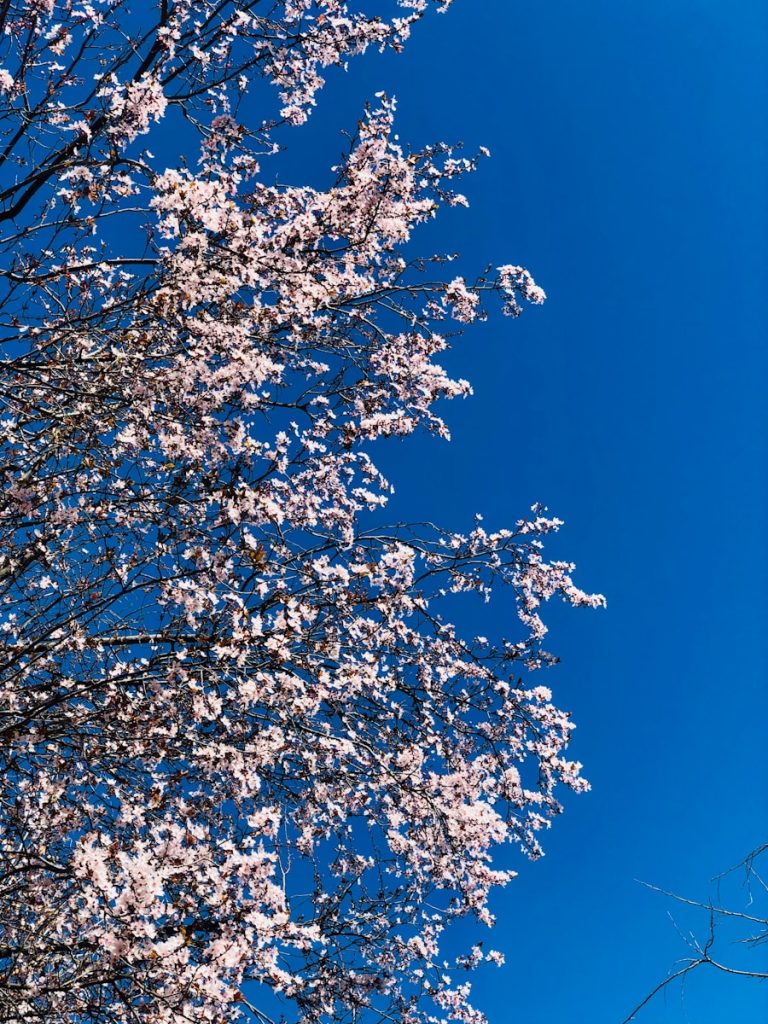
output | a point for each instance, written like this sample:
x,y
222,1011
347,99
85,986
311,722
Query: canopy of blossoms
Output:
x,y
242,749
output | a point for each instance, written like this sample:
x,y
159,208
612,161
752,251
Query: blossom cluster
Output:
x,y
243,750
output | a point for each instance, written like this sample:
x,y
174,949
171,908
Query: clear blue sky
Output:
x,y
629,174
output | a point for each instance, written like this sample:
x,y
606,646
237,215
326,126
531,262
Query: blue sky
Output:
x,y
629,175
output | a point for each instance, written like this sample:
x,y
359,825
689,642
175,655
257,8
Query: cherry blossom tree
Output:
x,y
245,755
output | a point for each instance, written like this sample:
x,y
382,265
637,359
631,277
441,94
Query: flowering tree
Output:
x,y
244,755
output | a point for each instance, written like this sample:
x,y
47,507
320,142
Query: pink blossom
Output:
x,y
245,745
